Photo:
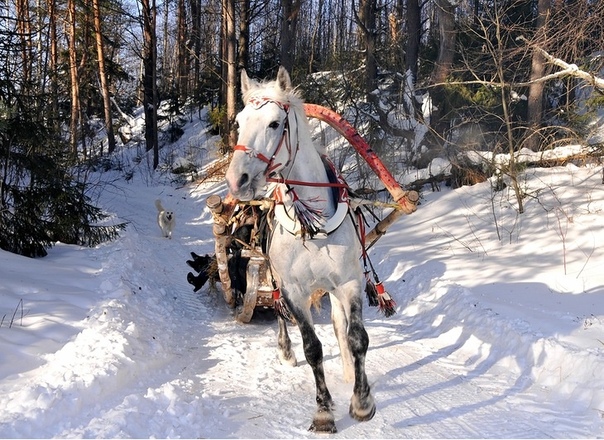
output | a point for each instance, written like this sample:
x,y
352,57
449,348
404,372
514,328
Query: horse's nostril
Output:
x,y
243,180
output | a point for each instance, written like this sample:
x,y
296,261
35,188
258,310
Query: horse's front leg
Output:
x,y
323,420
284,344
362,405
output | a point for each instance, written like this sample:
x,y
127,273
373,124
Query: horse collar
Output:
x,y
299,218
297,224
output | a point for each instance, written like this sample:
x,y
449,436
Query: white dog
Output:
x,y
165,219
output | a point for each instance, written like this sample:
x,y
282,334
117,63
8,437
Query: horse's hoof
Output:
x,y
288,358
323,423
362,412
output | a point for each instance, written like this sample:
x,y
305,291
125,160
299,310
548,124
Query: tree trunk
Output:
x,y
222,54
289,23
103,76
447,35
195,45
231,72
75,81
182,51
442,67
165,64
535,94
316,44
149,78
54,64
366,20
243,58
24,30
413,37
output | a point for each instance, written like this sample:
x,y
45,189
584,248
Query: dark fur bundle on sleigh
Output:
x,y
207,267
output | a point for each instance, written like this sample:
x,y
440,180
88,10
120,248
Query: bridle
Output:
x,y
282,190
272,168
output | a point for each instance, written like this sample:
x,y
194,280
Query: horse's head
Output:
x,y
263,146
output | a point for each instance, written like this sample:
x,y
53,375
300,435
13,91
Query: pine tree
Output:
x,y
41,199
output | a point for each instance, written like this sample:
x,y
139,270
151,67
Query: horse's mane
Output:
x,y
270,90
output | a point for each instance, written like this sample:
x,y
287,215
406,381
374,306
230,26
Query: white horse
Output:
x,y
275,152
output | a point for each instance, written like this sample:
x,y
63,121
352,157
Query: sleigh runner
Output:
x,y
231,216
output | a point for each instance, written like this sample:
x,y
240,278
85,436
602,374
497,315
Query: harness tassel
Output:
x,y
371,291
376,292
386,303
309,218
280,306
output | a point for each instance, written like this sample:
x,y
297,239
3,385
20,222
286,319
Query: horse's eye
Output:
x,y
274,125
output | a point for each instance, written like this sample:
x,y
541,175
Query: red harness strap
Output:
x,y
340,183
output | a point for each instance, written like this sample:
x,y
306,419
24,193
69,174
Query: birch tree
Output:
x,y
366,20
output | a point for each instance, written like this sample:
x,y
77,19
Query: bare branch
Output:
x,y
569,69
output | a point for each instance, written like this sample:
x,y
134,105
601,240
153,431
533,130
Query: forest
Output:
x,y
423,78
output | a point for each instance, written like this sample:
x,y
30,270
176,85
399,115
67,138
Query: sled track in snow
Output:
x,y
195,305
446,398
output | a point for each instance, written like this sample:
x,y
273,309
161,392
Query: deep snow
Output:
x,y
499,330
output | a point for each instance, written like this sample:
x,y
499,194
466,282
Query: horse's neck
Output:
x,y
308,165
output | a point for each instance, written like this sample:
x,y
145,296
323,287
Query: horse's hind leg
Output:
x,y
362,405
284,344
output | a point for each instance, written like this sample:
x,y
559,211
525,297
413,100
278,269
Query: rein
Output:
x,y
270,165
303,183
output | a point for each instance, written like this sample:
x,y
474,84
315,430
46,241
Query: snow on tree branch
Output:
x,y
568,69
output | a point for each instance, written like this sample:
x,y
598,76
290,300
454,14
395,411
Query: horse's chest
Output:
x,y
315,259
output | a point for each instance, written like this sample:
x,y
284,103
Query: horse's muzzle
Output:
x,y
240,187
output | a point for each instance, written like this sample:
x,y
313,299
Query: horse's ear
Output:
x,y
283,80
245,82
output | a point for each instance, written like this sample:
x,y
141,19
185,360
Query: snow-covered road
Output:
x,y
113,343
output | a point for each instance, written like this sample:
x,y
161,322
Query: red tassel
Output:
x,y
386,303
280,306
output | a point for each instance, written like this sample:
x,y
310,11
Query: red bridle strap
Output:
x,y
258,102
252,153
270,164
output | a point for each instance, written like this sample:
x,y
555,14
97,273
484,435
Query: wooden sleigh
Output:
x,y
230,215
